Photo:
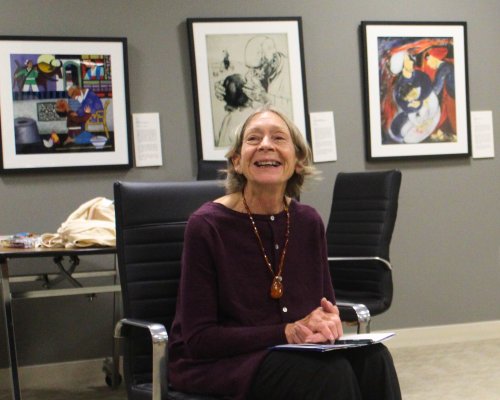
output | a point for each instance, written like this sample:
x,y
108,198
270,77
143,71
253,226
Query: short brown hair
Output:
x,y
235,182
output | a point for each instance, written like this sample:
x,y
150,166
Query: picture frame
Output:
x,y
416,89
238,65
64,104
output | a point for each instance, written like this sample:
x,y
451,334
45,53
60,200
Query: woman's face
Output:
x,y
267,154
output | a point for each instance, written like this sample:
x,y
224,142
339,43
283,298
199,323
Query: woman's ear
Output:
x,y
299,167
236,163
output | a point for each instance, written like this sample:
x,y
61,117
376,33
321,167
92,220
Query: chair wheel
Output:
x,y
109,380
108,369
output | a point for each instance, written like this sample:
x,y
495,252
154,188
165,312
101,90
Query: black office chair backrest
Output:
x,y
361,223
211,170
363,213
150,223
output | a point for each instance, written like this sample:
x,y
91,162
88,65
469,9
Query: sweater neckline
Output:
x,y
280,215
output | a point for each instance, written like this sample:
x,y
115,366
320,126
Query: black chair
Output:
x,y
211,170
359,232
150,223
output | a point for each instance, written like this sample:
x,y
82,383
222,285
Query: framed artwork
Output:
x,y
239,65
63,103
416,89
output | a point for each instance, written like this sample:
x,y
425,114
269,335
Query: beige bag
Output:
x,y
92,224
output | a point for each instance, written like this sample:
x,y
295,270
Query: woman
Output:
x,y
255,275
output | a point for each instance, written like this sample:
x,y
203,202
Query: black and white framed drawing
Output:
x,y
238,65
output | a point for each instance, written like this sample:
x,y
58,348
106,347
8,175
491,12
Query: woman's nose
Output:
x,y
266,143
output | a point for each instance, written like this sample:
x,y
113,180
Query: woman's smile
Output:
x,y
267,152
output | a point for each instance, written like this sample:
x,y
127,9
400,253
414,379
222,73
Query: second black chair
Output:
x,y
359,232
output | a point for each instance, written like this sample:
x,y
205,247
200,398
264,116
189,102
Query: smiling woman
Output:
x,y
254,275
274,135
267,156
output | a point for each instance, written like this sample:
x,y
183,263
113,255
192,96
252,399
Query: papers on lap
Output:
x,y
344,342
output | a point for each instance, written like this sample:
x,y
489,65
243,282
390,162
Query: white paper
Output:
x,y
482,134
147,139
323,136
344,342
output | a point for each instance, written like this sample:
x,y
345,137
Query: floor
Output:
x,y
468,370
86,393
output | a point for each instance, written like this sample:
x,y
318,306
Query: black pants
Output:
x,y
366,373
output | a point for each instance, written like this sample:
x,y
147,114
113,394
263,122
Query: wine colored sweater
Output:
x,y
226,320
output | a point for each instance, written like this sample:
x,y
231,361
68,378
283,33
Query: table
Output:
x,y
65,273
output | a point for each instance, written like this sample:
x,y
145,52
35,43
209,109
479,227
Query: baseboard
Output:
x,y
90,372
432,335
84,373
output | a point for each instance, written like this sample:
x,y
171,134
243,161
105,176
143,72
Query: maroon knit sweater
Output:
x,y
226,320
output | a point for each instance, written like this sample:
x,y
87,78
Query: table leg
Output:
x,y
64,274
6,298
117,313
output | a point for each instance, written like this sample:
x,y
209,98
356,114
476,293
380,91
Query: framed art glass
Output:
x,y
239,65
416,89
63,103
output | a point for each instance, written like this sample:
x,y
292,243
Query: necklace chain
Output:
x,y
277,285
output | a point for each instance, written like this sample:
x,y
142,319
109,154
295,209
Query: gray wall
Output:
x,y
446,250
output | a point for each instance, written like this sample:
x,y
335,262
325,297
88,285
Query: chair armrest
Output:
x,y
362,313
381,260
159,339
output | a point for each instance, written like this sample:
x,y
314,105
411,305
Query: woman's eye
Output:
x,y
279,138
252,139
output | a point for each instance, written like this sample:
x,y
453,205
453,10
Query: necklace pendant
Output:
x,y
277,287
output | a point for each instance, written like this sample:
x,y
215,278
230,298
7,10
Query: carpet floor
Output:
x,y
468,370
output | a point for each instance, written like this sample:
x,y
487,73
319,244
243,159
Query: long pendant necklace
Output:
x,y
277,284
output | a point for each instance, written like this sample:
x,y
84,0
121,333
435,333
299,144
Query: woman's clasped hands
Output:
x,y
321,325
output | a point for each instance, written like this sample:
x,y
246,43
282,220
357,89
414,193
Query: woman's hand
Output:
x,y
321,325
